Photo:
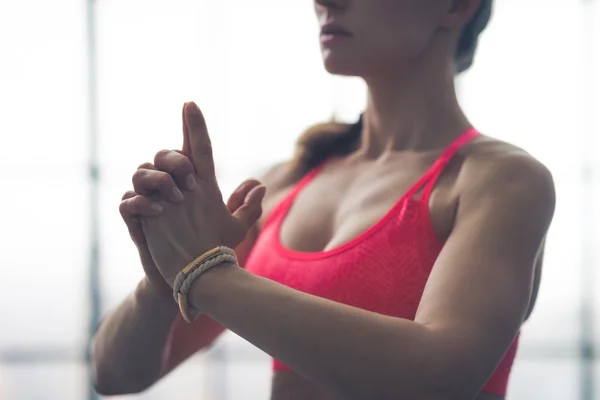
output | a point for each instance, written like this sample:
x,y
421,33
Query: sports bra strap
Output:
x,y
442,162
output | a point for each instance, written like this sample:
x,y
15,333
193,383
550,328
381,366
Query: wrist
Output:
x,y
208,288
147,293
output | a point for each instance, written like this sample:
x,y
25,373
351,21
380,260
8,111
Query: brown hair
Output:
x,y
320,142
467,44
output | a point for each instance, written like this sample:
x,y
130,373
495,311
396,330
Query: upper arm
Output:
x,y
537,279
480,288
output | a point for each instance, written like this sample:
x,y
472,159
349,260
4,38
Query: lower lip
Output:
x,y
330,38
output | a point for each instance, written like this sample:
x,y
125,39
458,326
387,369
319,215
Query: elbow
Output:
x,y
105,387
106,384
109,380
107,390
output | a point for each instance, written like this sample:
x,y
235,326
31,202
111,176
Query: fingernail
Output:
x,y
177,195
157,207
190,182
193,107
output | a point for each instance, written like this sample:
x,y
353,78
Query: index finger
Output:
x,y
198,142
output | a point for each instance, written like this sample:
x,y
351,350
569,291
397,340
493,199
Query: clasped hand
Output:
x,y
176,211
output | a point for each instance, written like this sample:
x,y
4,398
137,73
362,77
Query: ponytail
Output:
x,y
320,142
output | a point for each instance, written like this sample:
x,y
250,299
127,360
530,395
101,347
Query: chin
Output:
x,y
346,66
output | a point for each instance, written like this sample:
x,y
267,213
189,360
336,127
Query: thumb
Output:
x,y
251,209
196,142
238,197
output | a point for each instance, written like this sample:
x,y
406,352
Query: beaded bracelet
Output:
x,y
187,276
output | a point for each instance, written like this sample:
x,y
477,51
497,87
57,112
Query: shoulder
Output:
x,y
492,164
502,176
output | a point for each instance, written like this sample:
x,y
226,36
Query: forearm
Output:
x,y
356,352
129,346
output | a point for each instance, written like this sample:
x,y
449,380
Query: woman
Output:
x,y
397,258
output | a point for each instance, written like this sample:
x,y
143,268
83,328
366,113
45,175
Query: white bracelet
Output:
x,y
183,280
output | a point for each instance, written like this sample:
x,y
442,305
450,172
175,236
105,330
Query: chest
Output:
x,y
340,204
362,238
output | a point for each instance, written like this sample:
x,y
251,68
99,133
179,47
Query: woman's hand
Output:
x,y
170,173
185,230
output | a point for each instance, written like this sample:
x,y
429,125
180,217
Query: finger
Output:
x,y
143,166
236,200
148,181
131,208
129,194
185,148
198,145
251,210
178,166
147,165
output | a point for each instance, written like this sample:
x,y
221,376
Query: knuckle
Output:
x,y
125,207
146,165
135,207
161,156
140,172
138,176
164,180
128,194
182,164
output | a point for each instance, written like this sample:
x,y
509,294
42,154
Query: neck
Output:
x,y
419,111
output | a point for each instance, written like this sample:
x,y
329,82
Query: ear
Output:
x,y
460,13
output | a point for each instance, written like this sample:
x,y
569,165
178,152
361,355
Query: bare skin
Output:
x,y
392,174
396,169
493,207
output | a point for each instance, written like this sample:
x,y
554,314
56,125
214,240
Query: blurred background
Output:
x,y
91,89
